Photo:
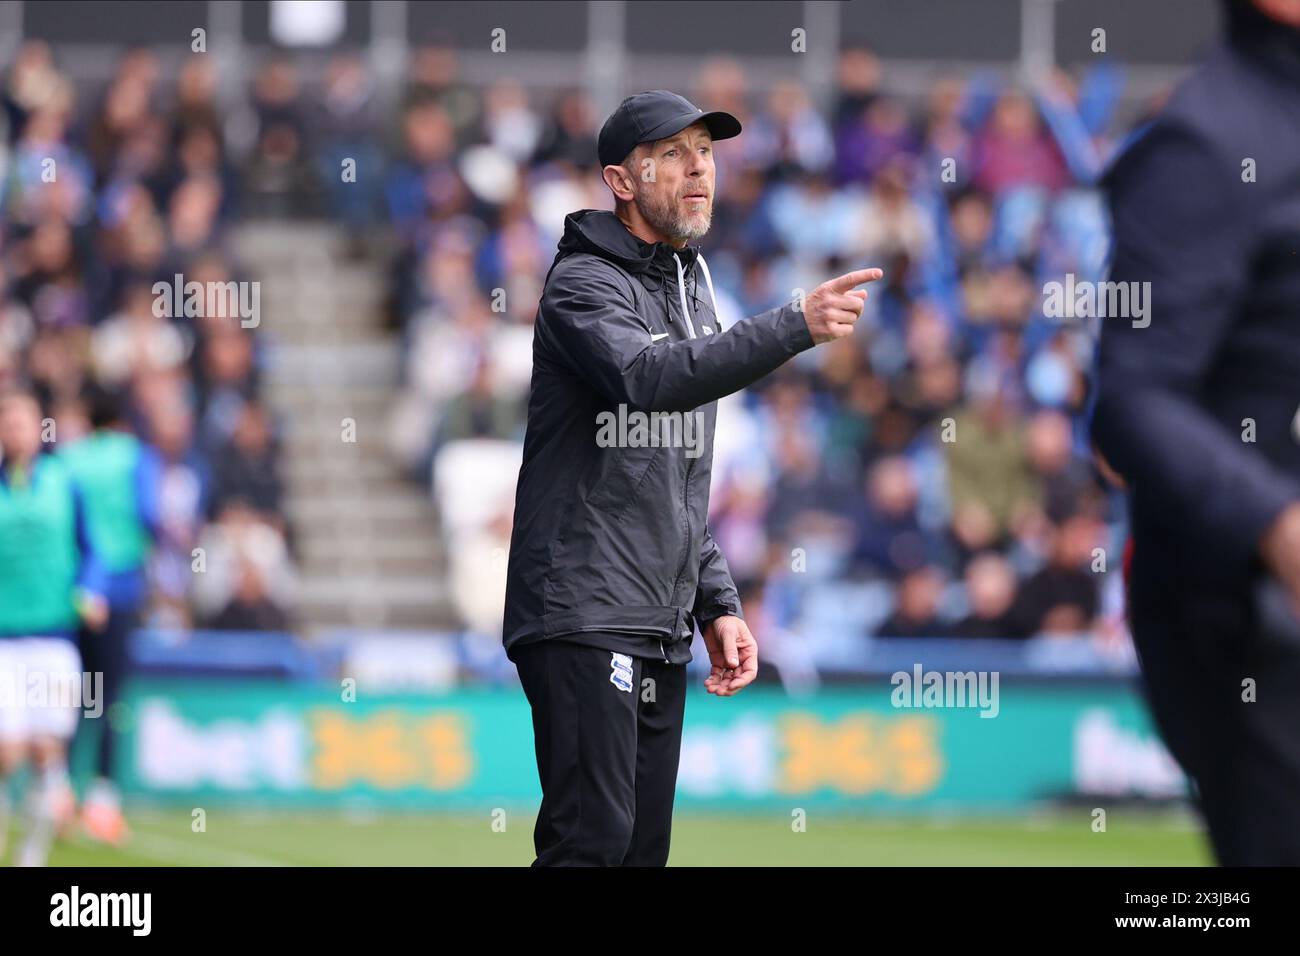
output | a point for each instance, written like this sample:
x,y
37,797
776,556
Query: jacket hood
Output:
x,y
601,233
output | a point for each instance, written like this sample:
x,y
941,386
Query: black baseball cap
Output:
x,y
654,115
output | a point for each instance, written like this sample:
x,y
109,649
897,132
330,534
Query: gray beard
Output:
x,y
667,222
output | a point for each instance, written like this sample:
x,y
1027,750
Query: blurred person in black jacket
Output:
x,y
1061,598
991,593
916,613
1197,411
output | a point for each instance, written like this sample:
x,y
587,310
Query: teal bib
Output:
x,y
38,551
104,466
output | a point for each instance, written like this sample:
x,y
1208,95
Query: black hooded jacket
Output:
x,y
610,545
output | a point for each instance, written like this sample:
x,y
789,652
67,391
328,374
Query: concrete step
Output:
x,y
308,404
269,240
409,590
301,320
419,595
296,331
327,443
342,469
350,391
323,422
263,241
296,298
325,615
371,363
373,509
312,477
325,547
367,541
317,415
345,527
308,485
298,284
422,566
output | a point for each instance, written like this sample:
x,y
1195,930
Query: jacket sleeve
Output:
x,y
92,574
147,483
716,594
589,317
1182,221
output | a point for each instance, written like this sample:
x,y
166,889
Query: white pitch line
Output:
x,y
186,853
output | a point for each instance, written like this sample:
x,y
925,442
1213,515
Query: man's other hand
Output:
x,y
733,654
1280,549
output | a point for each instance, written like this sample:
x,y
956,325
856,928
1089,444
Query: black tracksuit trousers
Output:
x,y
608,733
107,653
1241,750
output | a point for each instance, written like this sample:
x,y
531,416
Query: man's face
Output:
x,y
20,427
673,182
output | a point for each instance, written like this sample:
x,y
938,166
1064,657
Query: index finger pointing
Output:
x,y
850,279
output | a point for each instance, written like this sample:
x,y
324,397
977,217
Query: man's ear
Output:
x,y
619,181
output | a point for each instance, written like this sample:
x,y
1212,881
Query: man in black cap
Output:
x,y
1197,411
612,565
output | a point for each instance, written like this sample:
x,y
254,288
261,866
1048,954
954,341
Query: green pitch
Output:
x,y
240,838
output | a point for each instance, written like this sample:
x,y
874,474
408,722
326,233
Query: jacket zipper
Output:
x,y
686,487
685,496
690,324
686,513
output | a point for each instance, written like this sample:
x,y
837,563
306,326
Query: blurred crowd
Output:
x,y
104,193
928,476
